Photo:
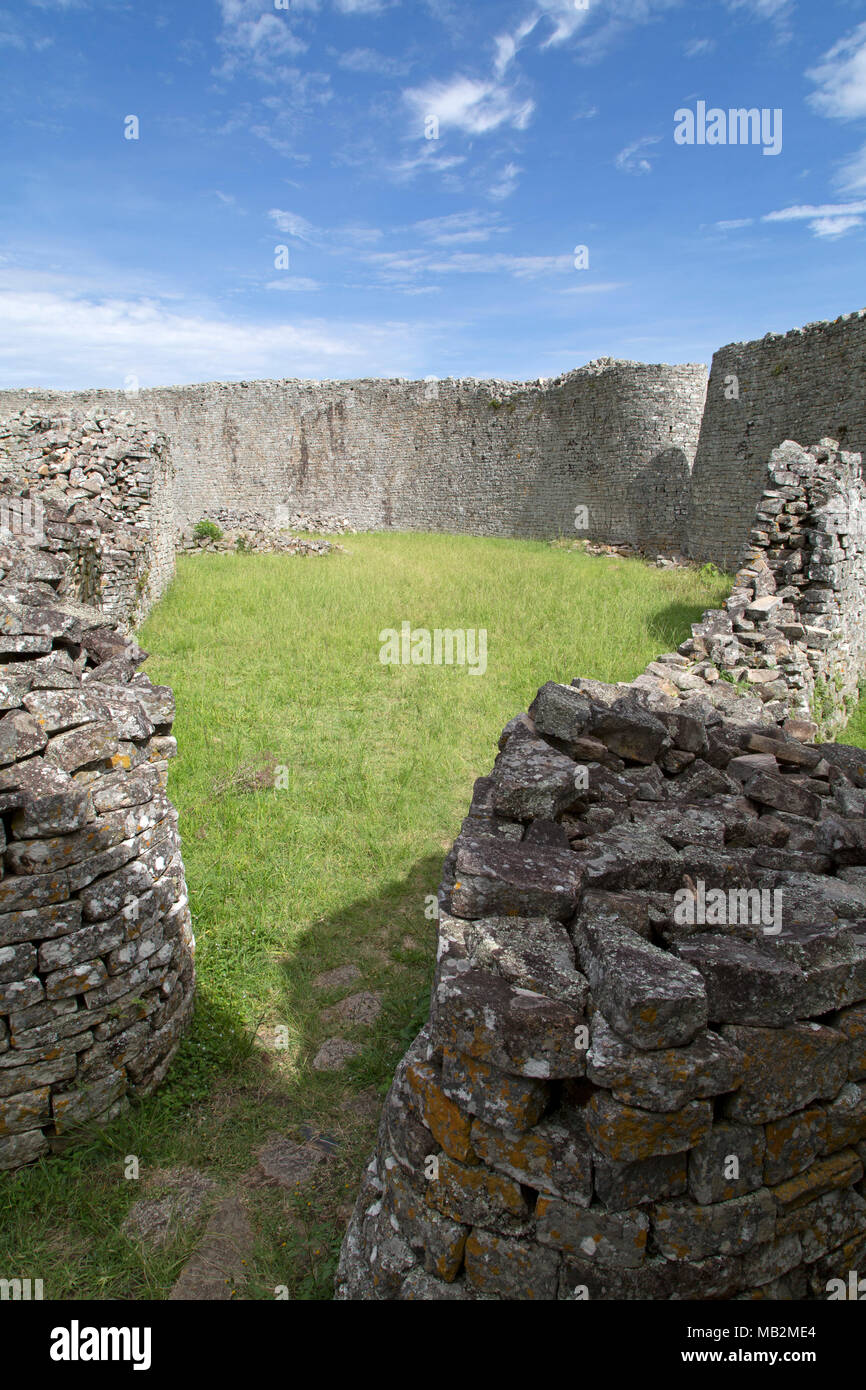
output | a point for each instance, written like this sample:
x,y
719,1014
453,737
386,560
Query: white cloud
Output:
x,y
565,18
403,269
635,159
696,48
733,224
369,60
835,226
506,184
65,340
470,105
257,37
456,227
371,7
825,220
841,78
600,287
852,174
778,11
293,225
293,283
427,160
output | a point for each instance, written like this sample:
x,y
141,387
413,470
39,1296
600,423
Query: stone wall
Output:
x,y
793,630
96,945
484,457
644,1072
807,384
658,459
105,486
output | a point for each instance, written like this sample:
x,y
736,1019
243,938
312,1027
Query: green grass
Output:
x,y
274,664
855,730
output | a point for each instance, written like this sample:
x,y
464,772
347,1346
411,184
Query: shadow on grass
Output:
x,y
393,944
672,625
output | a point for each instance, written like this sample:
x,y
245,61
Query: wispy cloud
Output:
x,y
840,78
426,160
506,184
256,37
733,224
600,287
851,176
363,7
697,48
778,12
404,266
825,220
369,60
66,340
457,227
635,158
470,105
293,284
293,225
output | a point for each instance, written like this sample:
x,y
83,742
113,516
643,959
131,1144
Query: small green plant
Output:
x,y
206,531
710,572
823,702
243,545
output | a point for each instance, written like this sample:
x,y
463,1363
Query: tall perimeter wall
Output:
x,y
656,457
807,384
484,457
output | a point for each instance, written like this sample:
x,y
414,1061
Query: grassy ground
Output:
x,y
318,792
855,730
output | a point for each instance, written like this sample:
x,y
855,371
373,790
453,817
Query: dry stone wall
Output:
x,y
792,633
644,1072
96,944
483,457
102,488
807,384
658,458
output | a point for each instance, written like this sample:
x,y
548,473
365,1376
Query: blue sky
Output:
x,y
429,167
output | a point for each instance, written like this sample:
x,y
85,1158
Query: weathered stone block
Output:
x,y
552,1157
477,1197
841,1169
616,1238
743,984
509,1102
561,712
531,779
728,1162
514,1029
530,880
510,1269
620,1185
440,1240
664,1079
845,1118
448,1125
793,1143
650,998
687,1232
624,1133
785,1069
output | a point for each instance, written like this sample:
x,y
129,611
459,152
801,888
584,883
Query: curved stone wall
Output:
x,y
649,455
108,483
806,384
483,457
96,945
644,1072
